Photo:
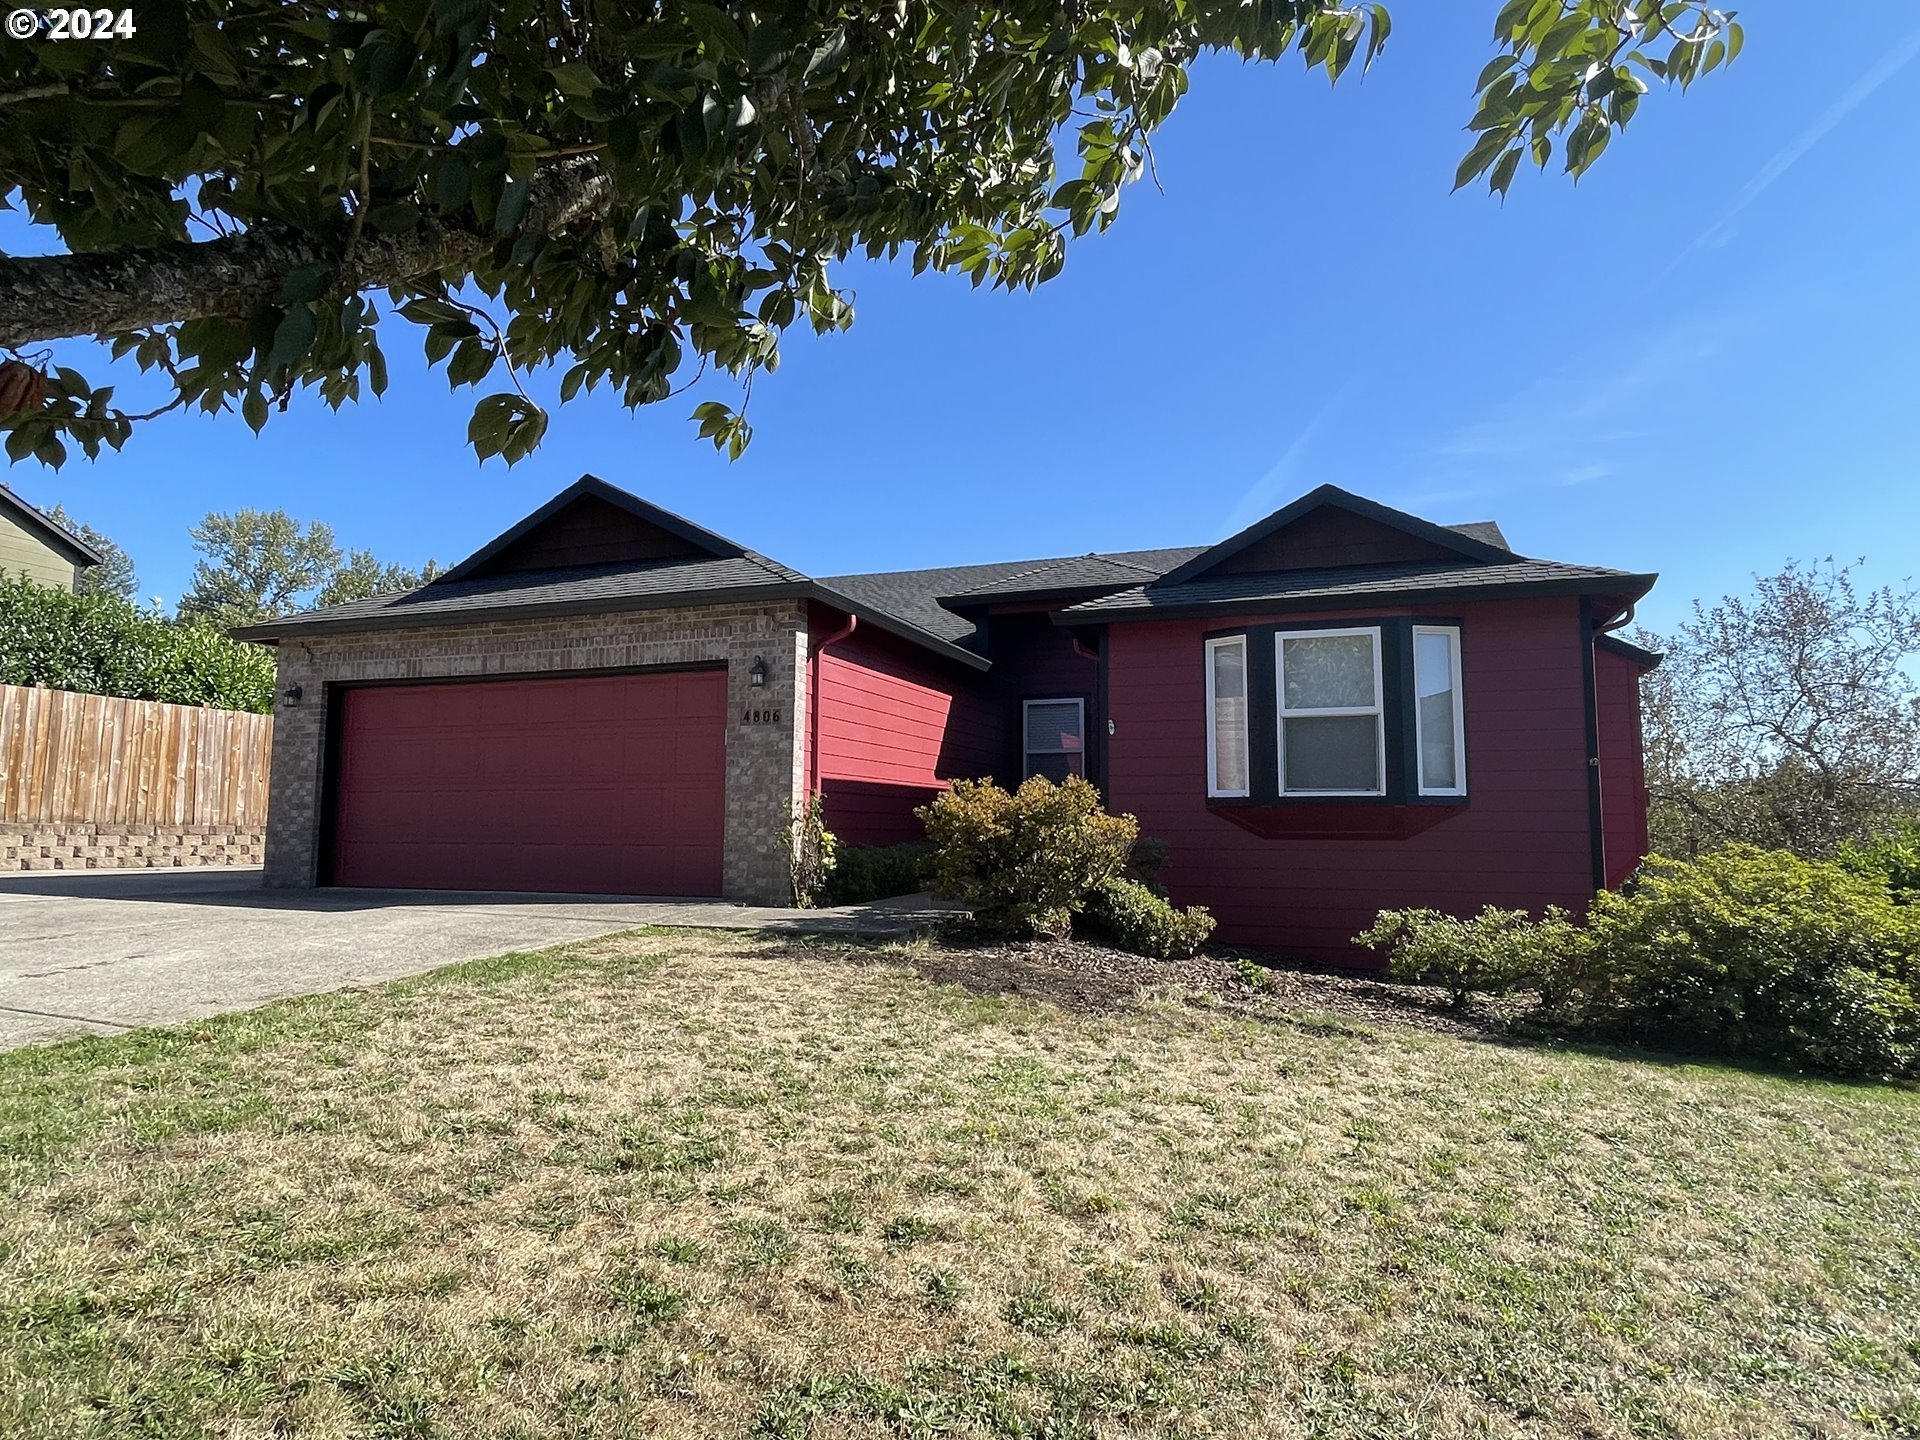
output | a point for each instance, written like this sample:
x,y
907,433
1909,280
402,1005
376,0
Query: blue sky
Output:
x,y
1700,361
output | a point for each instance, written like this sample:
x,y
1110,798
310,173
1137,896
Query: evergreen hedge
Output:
x,y
103,645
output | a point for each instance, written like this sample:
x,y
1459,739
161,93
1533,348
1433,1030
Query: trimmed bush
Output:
x,y
102,645
1494,952
1761,953
864,873
1025,862
1136,918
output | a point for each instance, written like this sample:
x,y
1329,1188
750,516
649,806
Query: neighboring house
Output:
x,y
33,545
1341,708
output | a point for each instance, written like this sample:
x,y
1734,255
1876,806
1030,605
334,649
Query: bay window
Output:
x,y
1367,711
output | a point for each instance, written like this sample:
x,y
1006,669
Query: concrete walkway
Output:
x,y
101,951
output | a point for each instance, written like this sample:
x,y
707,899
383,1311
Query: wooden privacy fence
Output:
x,y
101,760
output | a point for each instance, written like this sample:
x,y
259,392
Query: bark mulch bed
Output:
x,y
1087,977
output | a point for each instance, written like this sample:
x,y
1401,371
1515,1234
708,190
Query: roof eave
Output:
x,y
71,547
1629,586
895,626
272,632
293,627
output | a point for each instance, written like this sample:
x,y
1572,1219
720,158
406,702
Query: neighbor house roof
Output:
x,y
48,531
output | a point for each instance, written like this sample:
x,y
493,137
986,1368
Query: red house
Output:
x,y
1340,709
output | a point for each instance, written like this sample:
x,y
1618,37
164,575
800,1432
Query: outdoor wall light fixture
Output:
x,y
757,675
294,692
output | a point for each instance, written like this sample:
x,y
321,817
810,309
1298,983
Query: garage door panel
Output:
x,y
613,784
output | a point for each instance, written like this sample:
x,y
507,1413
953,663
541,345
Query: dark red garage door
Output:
x,y
614,784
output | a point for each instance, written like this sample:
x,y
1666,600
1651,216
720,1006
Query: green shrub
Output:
x,y
1025,862
1494,952
1892,858
1758,952
864,873
1137,919
102,645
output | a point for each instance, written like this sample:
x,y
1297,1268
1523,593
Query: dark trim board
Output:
x,y
1590,686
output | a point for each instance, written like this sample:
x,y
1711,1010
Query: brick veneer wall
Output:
x,y
76,845
763,759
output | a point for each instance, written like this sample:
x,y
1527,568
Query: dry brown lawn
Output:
x,y
679,1185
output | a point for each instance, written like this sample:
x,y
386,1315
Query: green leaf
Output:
x,y
303,283
512,208
1485,149
767,47
574,79
717,30
394,217
452,184
292,338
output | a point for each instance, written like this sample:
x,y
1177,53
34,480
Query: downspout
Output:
x,y
813,695
1596,825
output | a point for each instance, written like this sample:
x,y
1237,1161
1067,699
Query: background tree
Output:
x,y
256,564
114,574
1787,718
637,191
363,576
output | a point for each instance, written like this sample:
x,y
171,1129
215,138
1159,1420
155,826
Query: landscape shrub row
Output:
x,y
1747,952
103,645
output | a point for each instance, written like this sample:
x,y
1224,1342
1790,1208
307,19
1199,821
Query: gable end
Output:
x,y
1331,538
1331,528
589,532
592,523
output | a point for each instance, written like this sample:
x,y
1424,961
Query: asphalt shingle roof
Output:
x,y
1304,587
586,588
915,595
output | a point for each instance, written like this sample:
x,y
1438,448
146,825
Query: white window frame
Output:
x,y
1027,752
1452,633
1213,722
1377,710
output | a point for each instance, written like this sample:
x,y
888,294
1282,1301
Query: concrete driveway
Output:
x,y
98,952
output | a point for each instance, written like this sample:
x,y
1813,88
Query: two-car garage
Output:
x,y
610,783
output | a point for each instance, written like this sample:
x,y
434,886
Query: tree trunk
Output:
x,y
53,297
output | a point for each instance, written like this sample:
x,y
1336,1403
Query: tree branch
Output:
x,y
53,297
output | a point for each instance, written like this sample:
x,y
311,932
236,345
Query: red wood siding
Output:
x,y
611,784
892,730
1522,840
1623,773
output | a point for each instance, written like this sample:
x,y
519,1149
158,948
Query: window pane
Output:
x,y
1434,682
1339,752
1325,672
1056,767
1229,718
1053,726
